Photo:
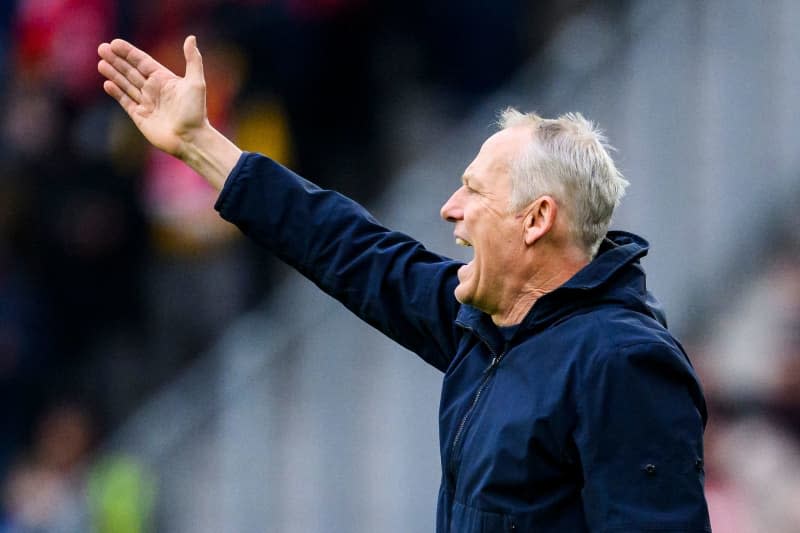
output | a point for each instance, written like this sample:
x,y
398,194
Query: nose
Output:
x,y
452,211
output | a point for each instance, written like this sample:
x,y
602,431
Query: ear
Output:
x,y
540,219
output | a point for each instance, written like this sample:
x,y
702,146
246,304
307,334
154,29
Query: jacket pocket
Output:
x,y
466,519
567,519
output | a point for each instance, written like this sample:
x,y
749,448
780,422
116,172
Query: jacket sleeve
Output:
x,y
385,277
640,438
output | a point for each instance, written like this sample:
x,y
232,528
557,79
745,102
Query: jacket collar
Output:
x,y
618,250
614,273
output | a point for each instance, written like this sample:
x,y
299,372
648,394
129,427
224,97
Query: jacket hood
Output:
x,y
614,276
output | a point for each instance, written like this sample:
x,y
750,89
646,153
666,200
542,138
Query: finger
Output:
x,y
119,80
194,61
113,90
145,64
121,65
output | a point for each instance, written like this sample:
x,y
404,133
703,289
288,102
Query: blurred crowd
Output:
x,y
748,355
115,272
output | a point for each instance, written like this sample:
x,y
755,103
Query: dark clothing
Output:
x,y
590,418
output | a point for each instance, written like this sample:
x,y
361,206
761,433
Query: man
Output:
x,y
566,405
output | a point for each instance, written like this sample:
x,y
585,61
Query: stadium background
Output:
x,y
160,373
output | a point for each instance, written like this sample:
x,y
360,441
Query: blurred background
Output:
x,y
160,373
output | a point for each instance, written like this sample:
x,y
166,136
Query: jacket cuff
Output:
x,y
232,182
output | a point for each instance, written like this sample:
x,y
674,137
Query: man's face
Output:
x,y
480,211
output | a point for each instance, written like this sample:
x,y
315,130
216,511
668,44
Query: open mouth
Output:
x,y
463,242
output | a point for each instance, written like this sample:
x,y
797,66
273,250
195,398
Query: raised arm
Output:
x,y
386,278
168,109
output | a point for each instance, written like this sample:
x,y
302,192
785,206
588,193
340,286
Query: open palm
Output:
x,y
165,107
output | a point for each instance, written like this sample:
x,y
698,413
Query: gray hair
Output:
x,y
568,159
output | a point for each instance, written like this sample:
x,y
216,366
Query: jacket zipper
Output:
x,y
487,374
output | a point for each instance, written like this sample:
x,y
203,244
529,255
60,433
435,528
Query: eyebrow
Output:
x,y
466,178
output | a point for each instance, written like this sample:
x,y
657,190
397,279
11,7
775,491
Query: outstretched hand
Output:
x,y
168,109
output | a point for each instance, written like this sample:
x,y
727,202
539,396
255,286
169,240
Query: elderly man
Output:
x,y
566,405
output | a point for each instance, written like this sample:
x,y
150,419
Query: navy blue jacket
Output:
x,y
590,418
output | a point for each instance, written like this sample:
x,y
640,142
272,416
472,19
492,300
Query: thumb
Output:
x,y
194,61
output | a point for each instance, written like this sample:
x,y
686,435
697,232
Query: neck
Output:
x,y
543,280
